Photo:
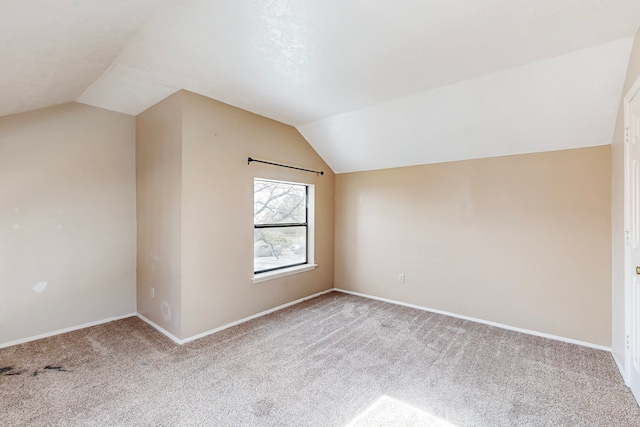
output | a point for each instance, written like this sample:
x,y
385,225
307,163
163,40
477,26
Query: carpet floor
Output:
x,y
335,360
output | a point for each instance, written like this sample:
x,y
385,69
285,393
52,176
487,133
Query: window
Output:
x,y
280,225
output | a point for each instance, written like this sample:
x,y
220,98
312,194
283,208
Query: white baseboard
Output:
x,y
65,330
620,367
160,329
486,322
229,325
280,307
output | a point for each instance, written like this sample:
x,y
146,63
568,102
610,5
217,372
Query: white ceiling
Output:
x,y
569,101
51,51
370,83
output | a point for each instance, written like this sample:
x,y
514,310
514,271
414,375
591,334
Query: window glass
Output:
x,y
280,212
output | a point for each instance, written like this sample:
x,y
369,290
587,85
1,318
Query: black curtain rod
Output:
x,y
249,160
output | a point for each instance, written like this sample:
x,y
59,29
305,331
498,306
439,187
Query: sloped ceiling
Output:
x,y
52,51
371,84
569,101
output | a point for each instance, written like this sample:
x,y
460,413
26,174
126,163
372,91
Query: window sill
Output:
x,y
262,277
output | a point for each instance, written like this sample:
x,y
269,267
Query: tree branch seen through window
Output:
x,y
280,224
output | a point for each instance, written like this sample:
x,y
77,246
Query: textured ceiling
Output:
x,y
51,51
370,83
564,102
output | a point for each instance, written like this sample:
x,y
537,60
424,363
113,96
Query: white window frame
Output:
x,y
310,264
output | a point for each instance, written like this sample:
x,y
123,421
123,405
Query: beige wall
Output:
x,y
67,217
617,208
159,198
521,240
195,213
217,209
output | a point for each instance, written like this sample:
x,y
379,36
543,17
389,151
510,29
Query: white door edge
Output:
x,y
635,89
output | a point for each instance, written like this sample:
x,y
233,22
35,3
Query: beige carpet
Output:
x,y
336,360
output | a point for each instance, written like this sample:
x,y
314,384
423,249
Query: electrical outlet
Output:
x,y
401,277
153,292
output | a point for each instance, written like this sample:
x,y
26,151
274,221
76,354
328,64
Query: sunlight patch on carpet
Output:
x,y
387,411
